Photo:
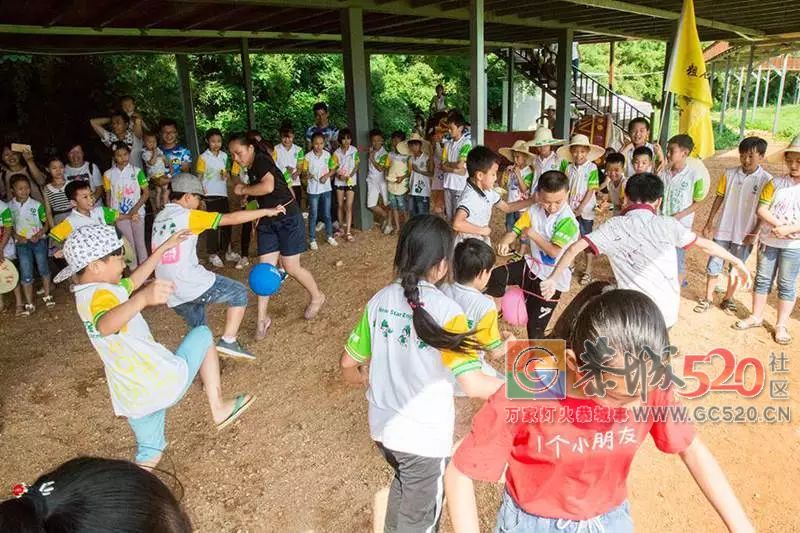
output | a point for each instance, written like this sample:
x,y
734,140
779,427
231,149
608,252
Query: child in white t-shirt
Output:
x,y
420,168
410,346
642,161
213,169
289,159
318,167
397,176
641,246
474,211
686,183
345,162
518,177
376,179
196,287
8,251
144,378
614,184
157,169
545,156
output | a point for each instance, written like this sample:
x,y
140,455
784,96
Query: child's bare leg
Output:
x,y
733,284
349,209
209,375
27,288
46,285
18,295
233,320
306,279
379,505
263,301
340,205
711,283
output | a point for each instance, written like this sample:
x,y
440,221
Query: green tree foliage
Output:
x,y
639,67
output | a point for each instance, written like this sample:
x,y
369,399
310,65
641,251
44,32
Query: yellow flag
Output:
x,y
687,72
695,121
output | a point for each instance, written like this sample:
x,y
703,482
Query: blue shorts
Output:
x,y
741,251
223,291
397,201
585,226
286,235
149,430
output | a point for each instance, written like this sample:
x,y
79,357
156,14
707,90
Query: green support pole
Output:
x,y
510,96
368,70
478,96
743,123
185,87
564,87
766,83
725,89
357,97
666,99
247,74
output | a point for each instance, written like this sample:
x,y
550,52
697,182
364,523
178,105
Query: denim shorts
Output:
x,y
285,235
585,226
30,254
781,263
741,251
149,430
223,291
681,254
397,201
511,518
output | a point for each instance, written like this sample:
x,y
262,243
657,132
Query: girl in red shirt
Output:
x,y
568,460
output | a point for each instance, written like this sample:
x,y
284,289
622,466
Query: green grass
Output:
x,y
788,123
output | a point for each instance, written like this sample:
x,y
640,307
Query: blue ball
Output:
x,y
265,279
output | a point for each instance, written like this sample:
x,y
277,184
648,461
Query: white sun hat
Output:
x,y
581,140
544,137
519,147
793,146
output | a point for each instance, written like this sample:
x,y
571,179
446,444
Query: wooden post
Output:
x,y
185,87
666,99
797,90
758,85
725,89
780,94
739,93
564,87
356,96
743,123
510,96
478,94
766,83
247,75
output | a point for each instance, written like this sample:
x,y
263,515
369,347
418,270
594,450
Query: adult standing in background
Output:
x,y
20,163
78,169
119,122
331,134
439,100
179,158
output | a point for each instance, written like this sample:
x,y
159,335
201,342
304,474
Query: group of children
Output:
x,y
420,340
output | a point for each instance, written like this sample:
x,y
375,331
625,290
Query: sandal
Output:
x,y
729,306
585,279
241,404
747,323
784,339
20,311
702,306
349,237
263,328
28,310
48,301
313,308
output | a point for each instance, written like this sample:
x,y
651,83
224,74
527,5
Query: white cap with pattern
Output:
x,y
85,245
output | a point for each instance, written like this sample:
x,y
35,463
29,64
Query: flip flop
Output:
x,y
741,325
239,407
313,308
785,339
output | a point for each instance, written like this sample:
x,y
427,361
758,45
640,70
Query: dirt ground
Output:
x,y
302,459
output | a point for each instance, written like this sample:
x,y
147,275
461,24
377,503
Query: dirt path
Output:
x,y
302,459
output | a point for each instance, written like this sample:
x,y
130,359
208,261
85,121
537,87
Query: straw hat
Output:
x,y
580,140
544,137
793,146
519,147
402,147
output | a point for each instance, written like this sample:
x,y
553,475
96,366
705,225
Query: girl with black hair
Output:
x,y
281,238
569,473
90,494
414,340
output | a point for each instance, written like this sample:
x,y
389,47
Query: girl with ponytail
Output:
x,y
410,345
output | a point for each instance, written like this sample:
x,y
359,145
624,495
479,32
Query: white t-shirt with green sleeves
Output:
x,y
286,158
28,217
682,189
143,376
581,179
98,215
455,151
6,225
410,394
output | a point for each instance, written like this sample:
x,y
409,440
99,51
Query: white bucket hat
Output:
x,y
581,140
544,137
187,184
85,245
793,146
519,147
402,147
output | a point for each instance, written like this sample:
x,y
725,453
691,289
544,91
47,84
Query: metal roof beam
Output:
x,y
627,7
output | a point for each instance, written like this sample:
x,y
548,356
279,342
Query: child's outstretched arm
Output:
x,y
241,217
505,242
116,318
712,248
145,269
460,493
461,225
353,372
513,207
548,286
712,481
476,384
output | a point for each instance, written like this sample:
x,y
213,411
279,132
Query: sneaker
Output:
x,y
243,262
215,261
332,241
28,310
232,257
234,349
48,301
320,226
313,245
384,224
388,229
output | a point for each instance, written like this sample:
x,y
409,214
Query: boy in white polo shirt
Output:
x,y
376,179
641,246
84,212
737,195
550,227
196,287
454,162
212,169
474,208
685,186
289,159
318,167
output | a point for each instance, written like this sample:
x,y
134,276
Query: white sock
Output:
x,y
229,339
